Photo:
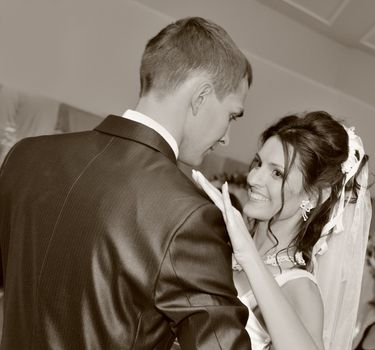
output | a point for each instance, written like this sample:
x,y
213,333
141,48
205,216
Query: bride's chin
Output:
x,y
249,211
254,213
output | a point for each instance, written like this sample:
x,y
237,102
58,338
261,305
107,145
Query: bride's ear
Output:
x,y
326,192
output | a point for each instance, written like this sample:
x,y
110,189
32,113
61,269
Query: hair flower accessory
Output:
x,y
349,168
352,159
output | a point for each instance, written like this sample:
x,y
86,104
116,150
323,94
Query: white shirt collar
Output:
x,y
161,130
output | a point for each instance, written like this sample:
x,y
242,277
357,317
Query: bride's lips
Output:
x,y
257,197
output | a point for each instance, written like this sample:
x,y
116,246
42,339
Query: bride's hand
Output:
x,y
237,229
238,232
210,189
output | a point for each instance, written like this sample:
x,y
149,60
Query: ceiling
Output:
x,y
350,22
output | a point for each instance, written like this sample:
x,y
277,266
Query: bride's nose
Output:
x,y
256,177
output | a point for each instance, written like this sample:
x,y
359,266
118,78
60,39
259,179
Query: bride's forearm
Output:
x,y
286,329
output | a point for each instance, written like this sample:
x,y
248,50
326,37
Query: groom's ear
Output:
x,y
200,96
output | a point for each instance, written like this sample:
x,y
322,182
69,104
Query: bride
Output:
x,y
309,214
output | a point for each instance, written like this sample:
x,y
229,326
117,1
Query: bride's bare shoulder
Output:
x,y
304,294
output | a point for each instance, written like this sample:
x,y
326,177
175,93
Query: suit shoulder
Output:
x,y
177,182
51,145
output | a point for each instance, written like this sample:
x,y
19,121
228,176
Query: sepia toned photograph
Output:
x,y
184,174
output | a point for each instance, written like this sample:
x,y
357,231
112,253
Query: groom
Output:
x,y
105,244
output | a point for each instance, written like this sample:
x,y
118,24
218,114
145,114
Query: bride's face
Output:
x,y
265,185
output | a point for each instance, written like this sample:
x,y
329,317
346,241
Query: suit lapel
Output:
x,y
128,129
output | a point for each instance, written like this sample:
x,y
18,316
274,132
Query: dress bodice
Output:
x,y
260,339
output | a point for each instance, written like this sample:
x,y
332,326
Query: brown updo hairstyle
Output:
x,y
321,144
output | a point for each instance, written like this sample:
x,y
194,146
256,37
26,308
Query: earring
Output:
x,y
305,206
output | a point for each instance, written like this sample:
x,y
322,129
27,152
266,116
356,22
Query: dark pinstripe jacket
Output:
x,y
105,244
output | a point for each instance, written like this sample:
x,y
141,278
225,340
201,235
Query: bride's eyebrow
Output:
x,y
277,165
257,157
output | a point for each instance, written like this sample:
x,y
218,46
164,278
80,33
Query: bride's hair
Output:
x,y
321,144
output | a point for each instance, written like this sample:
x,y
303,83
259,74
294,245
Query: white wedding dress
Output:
x,y
260,339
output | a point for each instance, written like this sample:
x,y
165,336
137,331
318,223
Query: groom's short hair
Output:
x,y
193,45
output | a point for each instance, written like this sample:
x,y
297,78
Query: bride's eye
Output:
x,y
256,163
277,173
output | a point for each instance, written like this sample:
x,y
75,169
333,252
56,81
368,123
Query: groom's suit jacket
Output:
x,y
105,244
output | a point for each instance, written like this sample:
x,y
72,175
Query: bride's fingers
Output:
x,y
211,190
228,207
234,213
199,180
226,198
194,175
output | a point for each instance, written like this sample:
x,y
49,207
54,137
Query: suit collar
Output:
x,y
139,117
128,129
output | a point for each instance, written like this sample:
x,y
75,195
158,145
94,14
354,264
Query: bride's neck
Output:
x,y
265,240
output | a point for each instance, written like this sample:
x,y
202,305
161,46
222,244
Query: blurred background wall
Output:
x,y
87,53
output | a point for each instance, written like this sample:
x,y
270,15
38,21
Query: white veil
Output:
x,y
339,257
